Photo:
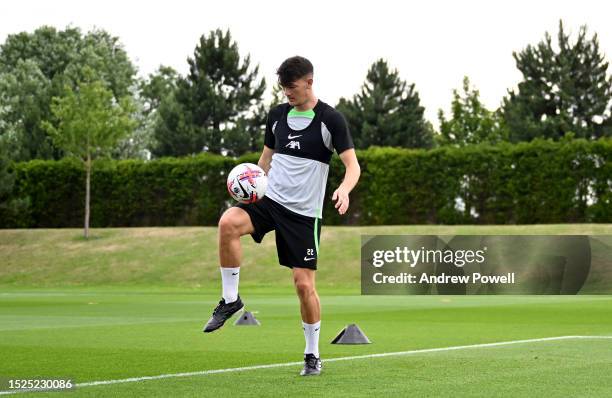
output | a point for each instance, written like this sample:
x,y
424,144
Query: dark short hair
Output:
x,y
292,69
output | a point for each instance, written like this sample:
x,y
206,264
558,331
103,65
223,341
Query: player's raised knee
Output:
x,y
234,222
228,224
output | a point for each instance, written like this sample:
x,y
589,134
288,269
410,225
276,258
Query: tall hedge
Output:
x,y
527,183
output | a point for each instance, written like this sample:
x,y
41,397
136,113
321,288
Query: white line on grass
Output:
x,y
278,365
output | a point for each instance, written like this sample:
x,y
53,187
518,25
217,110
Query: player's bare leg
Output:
x,y
310,308
234,223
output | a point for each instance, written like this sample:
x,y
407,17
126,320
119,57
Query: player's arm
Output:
x,y
351,176
269,142
265,159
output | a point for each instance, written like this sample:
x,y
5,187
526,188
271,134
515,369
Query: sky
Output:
x,y
432,44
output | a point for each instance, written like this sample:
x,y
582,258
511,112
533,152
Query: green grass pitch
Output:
x,y
110,309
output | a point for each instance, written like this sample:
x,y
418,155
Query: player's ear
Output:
x,y
309,81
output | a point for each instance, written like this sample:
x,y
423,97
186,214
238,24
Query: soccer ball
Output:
x,y
247,183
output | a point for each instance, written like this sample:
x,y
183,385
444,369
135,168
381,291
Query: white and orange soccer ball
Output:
x,y
247,183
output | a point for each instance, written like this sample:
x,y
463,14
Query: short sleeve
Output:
x,y
269,140
274,116
340,134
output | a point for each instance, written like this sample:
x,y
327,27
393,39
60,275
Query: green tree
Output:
x,y
278,96
140,141
159,85
564,90
211,102
471,122
51,49
7,178
387,112
147,95
89,123
24,96
35,67
252,128
10,206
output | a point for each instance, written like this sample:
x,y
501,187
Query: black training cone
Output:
x,y
351,335
246,318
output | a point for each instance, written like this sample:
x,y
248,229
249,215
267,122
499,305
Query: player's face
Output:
x,y
297,92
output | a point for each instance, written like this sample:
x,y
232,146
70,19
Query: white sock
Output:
x,y
311,334
230,277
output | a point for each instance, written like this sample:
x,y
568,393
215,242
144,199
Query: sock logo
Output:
x,y
235,273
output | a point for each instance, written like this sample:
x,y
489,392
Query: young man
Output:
x,y
300,138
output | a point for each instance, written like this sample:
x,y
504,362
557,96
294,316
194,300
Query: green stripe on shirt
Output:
x,y
308,114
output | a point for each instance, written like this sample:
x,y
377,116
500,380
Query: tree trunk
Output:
x,y
88,171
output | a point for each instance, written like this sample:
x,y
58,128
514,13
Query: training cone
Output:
x,y
351,334
247,318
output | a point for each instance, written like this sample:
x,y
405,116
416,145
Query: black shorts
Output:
x,y
297,244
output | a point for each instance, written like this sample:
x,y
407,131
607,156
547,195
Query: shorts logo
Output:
x,y
309,252
293,145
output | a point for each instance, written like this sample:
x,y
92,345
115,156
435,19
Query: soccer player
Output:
x,y
300,138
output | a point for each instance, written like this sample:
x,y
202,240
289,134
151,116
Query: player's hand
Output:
x,y
342,198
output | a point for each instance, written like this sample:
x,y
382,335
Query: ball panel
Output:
x,y
247,183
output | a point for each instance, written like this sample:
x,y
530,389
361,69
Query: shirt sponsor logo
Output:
x,y
293,145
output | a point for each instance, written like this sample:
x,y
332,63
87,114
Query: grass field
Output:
x,y
131,303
